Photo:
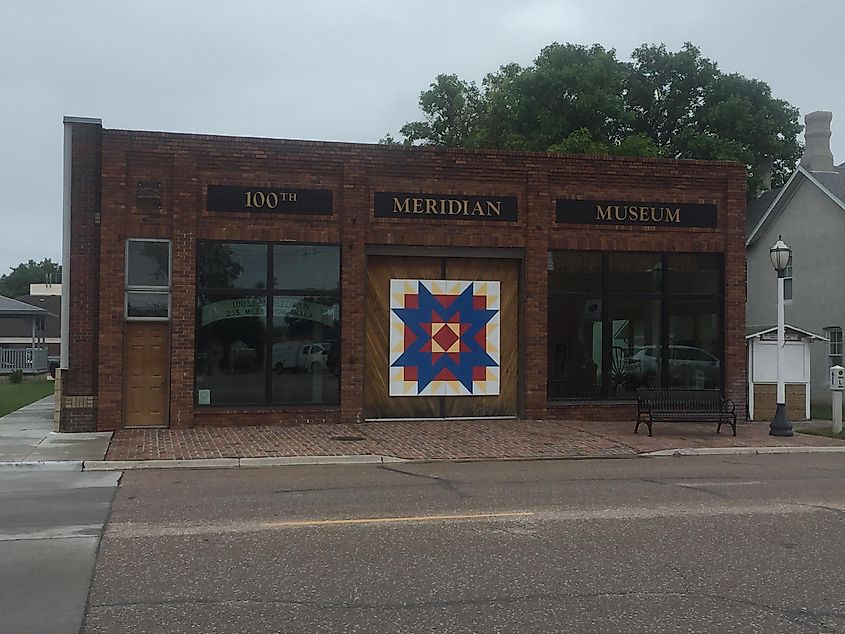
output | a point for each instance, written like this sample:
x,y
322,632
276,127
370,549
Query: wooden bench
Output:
x,y
684,405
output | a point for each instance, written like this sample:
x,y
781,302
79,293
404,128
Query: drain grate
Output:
x,y
347,438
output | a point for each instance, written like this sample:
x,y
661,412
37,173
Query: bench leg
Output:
x,y
640,420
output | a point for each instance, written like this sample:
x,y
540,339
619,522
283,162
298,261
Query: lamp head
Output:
x,y
779,254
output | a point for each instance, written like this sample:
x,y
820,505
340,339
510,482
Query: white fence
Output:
x,y
26,359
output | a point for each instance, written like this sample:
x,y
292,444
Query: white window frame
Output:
x,y
835,346
141,289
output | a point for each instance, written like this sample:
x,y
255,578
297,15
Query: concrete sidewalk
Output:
x,y
27,440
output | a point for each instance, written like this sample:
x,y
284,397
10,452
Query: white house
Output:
x,y
809,212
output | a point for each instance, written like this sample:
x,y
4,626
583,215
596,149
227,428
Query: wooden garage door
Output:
x,y
377,399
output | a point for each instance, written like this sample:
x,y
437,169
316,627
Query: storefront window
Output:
x,y
242,361
222,265
230,353
695,273
694,344
575,272
306,267
634,272
619,321
306,363
635,346
575,348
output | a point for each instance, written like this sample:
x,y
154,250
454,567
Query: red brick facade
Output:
x,y
107,165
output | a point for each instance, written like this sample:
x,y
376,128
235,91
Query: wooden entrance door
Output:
x,y
377,399
146,374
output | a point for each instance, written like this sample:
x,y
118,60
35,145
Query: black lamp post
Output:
x,y
780,425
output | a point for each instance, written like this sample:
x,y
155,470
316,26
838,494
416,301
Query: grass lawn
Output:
x,y
15,395
823,431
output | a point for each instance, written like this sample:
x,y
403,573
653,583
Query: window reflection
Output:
x,y
239,359
575,348
619,321
695,340
306,363
306,267
230,362
231,265
636,353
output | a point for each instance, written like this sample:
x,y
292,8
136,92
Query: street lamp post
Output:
x,y
780,425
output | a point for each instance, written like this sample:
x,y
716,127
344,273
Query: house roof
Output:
x,y
51,303
756,331
768,206
757,208
19,325
13,308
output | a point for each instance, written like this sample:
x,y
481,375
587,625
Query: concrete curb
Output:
x,y
740,451
292,461
228,463
42,465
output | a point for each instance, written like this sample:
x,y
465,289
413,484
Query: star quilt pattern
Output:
x,y
444,338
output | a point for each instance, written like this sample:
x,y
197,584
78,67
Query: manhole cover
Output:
x,y
347,438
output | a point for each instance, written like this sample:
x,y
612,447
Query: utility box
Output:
x,y
762,371
837,378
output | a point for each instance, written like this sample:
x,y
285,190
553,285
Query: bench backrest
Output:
x,y
679,399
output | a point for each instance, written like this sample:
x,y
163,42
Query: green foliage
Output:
x,y
16,376
17,281
451,107
579,99
388,139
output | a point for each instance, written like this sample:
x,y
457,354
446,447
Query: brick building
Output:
x,y
217,280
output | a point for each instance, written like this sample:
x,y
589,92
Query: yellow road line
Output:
x,y
393,520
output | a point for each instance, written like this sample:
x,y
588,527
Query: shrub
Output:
x,y
16,376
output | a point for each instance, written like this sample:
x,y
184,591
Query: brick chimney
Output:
x,y
817,156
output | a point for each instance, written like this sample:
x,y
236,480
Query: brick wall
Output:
x,y
186,164
79,387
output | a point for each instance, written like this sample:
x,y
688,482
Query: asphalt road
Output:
x,y
701,544
50,525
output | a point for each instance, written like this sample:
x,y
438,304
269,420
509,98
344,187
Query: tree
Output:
x,y
580,99
450,106
17,281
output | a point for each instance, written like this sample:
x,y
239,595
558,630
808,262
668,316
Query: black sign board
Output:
x,y
274,200
444,207
614,212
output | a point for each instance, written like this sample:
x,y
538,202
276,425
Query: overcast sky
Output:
x,y
341,70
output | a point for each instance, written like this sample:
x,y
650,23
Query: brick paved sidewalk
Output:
x,y
440,440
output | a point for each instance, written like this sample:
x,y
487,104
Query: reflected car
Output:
x,y
688,367
298,356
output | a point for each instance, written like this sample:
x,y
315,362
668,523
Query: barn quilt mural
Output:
x,y
444,338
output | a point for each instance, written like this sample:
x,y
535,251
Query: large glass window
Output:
x,y
268,324
695,343
575,348
636,351
619,321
